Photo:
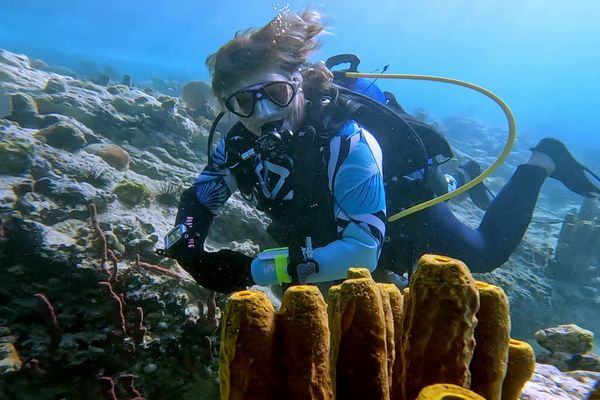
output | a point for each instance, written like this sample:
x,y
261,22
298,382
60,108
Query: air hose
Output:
x,y
512,130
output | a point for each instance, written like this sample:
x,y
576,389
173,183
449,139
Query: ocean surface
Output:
x,y
541,57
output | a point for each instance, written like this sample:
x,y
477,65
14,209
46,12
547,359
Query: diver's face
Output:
x,y
268,98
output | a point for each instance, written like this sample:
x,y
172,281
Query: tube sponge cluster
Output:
x,y
269,355
445,337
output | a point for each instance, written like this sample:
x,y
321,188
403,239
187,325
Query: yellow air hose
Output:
x,y
512,129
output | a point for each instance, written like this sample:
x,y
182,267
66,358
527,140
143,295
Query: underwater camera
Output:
x,y
173,240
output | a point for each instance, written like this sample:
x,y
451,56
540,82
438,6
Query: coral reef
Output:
x,y
570,348
198,98
548,382
63,135
566,338
16,155
87,332
577,254
46,242
23,105
49,247
114,155
54,86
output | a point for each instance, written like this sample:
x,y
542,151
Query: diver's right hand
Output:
x,y
197,220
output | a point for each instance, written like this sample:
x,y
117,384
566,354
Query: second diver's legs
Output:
x,y
501,230
509,214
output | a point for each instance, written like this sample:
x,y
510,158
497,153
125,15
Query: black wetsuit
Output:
x,y
437,230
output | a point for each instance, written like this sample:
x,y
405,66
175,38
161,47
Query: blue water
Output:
x,y
541,57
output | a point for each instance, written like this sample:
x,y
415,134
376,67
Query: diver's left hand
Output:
x,y
222,271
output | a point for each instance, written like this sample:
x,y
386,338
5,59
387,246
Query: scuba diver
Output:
x,y
328,163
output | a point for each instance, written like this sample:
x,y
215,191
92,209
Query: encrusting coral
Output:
x,y
132,192
114,155
373,342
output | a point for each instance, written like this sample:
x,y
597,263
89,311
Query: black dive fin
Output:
x,y
567,170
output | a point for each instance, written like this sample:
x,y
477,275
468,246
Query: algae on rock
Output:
x,y
16,155
132,192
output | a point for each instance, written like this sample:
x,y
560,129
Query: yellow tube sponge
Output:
x,y
438,330
442,391
398,371
361,364
489,363
389,291
246,359
334,328
357,273
303,331
521,365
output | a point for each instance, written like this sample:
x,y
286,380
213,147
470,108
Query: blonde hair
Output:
x,y
284,43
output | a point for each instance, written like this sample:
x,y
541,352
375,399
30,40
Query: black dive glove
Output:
x,y
222,271
185,242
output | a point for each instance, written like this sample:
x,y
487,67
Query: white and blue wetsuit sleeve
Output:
x,y
356,183
215,186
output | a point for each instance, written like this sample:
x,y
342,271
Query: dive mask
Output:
x,y
243,102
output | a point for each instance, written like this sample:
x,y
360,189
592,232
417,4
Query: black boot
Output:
x,y
480,195
567,170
